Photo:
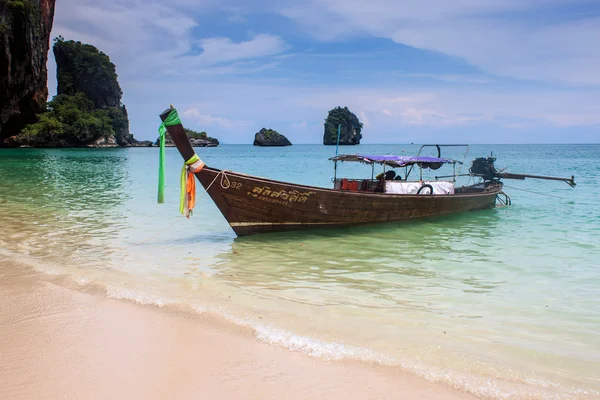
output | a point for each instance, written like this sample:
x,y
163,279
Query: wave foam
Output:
x,y
493,387
330,351
139,297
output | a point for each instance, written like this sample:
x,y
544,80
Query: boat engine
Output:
x,y
484,167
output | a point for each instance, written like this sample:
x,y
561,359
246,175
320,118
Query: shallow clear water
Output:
x,y
502,303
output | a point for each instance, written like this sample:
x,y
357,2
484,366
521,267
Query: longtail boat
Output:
x,y
252,204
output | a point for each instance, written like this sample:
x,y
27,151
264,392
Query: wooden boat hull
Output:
x,y
254,205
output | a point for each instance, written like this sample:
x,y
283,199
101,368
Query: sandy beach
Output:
x,y
60,343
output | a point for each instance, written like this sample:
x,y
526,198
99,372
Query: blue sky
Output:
x,y
493,71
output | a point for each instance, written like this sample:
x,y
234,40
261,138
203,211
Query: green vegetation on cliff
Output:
x,y
20,9
269,133
200,135
350,130
88,105
70,120
270,137
19,6
197,139
84,68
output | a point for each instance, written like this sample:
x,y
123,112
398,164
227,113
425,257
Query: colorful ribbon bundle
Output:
x,y
172,119
187,198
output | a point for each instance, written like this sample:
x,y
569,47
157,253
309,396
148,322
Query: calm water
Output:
x,y
503,303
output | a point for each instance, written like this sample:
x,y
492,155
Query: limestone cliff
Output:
x,y
269,137
350,132
25,27
83,68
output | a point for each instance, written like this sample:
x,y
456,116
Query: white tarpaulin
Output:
x,y
401,187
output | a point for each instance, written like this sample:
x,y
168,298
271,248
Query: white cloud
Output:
x,y
207,120
299,125
425,117
483,33
237,15
450,108
144,38
444,77
219,50
125,28
362,116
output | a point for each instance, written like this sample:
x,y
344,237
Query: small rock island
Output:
x,y
350,127
197,139
269,137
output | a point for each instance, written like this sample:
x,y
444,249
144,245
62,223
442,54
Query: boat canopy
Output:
x,y
396,161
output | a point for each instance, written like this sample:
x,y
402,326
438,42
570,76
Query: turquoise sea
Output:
x,y
502,303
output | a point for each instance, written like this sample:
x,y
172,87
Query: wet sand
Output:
x,y
60,343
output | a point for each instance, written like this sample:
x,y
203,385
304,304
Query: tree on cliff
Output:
x,y
83,68
200,135
350,127
197,139
69,121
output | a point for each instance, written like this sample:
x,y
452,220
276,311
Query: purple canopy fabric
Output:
x,y
394,161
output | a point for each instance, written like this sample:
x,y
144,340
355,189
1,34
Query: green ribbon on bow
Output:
x,y
183,182
172,119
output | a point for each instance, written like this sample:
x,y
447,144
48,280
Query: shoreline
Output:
x,y
58,342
